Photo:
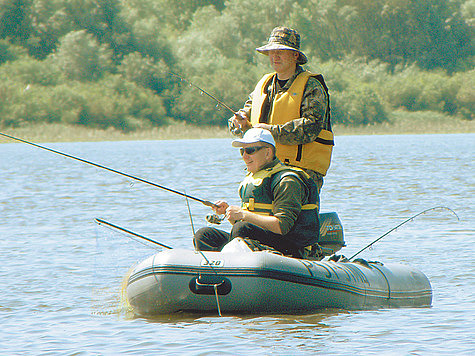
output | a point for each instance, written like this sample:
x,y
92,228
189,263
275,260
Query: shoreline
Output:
x,y
402,124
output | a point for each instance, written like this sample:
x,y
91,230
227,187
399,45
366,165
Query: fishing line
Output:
x,y
215,285
404,222
191,217
205,202
236,130
203,91
111,261
193,230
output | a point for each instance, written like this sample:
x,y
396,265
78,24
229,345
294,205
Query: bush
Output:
x,y
29,104
81,57
229,83
31,71
111,102
118,103
8,52
68,103
145,72
417,90
359,106
465,99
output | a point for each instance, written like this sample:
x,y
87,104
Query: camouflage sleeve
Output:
x,y
313,110
289,196
245,110
247,106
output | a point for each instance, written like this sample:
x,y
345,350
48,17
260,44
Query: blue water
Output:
x,y
61,274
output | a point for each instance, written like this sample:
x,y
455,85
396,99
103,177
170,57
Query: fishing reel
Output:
x,y
235,130
214,219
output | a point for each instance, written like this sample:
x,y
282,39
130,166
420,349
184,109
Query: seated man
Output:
x,y
279,203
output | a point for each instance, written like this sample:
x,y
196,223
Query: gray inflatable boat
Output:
x,y
239,280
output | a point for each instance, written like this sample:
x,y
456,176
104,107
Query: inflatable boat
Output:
x,y
240,280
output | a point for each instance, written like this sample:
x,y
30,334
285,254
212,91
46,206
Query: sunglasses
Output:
x,y
251,150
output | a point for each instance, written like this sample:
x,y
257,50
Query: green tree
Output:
x,y
144,71
14,20
9,52
81,57
48,24
102,19
177,15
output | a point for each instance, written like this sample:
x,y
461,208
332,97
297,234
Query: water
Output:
x,y
61,274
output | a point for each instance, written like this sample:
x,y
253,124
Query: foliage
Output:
x,y
431,33
81,57
358,107
108,62
9,52
112,101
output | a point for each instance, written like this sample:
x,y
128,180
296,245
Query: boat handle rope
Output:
x,y
404,222
215,287
217,299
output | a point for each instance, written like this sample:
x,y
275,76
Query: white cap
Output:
x,y
254,135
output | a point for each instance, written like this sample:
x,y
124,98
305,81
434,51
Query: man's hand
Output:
x,y
241,121
234,213
220,207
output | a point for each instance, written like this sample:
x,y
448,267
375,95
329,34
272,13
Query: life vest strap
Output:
x,y
261,207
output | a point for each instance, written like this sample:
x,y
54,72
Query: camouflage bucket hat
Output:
x,y
284,38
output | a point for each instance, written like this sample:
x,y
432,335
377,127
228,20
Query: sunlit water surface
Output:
x,y
61,274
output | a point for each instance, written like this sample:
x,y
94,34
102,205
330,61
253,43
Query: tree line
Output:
x,y
106,63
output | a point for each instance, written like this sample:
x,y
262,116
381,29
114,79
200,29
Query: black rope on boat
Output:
x,y
217,300
404,222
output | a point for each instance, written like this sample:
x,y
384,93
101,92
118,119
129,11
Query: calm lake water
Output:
x,y
61,274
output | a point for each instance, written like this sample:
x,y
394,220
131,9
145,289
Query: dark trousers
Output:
x,y
212,239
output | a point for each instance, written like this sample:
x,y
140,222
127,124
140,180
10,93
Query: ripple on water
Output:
x,y
61,275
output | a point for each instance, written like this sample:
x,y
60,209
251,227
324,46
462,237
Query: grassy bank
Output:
x,y
66,133
406,123
402,122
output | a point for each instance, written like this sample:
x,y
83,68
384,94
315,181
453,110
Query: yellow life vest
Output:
x,y
285,107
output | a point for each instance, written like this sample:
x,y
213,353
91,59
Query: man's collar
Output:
x,y
298,70
289,82
270,165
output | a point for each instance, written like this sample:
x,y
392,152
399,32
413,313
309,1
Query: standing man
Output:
x,y
279,203
293,104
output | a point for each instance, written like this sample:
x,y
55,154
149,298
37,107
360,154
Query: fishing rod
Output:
x,y
110,225
234,130
203,91
404,222
205,202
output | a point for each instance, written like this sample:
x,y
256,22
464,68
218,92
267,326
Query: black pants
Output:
x,y
212,239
